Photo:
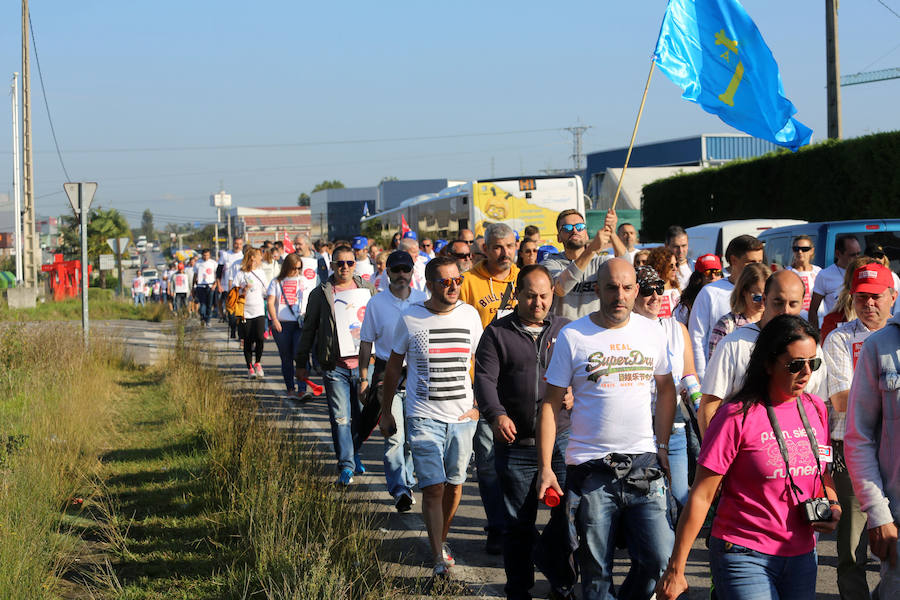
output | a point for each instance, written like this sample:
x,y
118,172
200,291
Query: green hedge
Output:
x,y
830,181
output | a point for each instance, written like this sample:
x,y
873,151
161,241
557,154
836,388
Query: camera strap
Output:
x,y
779,437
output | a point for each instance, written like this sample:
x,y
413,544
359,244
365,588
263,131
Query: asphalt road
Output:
x,y
405,542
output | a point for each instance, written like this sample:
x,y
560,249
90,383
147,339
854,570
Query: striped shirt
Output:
x,y
438,351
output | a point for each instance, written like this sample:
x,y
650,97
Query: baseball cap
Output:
x,y
411,234
647,276
359,242
439,245
871,279
545,251
875,251
398,258
707,262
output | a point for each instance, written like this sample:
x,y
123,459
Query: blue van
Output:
x,y
885,232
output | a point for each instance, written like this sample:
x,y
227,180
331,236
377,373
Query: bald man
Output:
x,y
783,295
611,358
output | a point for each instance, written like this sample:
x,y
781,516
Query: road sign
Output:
x,y
123,244
87,194
107,262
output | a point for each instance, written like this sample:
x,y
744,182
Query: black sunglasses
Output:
x,y
401,269
647,290
878,255
796,365
343,263
801,248
461,255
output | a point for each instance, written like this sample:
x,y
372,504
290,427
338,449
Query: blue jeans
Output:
x,y
517,467
743,574
140,299
344,408
488,483
287,340
398,462
678,464
607,503
204,296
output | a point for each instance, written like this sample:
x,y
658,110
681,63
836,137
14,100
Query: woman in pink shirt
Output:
x,y
763,542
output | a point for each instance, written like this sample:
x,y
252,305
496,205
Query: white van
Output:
x,y
713,238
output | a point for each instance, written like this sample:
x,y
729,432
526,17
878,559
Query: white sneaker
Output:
x,y
259,371
447,555
252,374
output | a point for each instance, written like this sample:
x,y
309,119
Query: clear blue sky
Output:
x,y
159,101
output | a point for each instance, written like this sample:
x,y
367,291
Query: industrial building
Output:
x,y
335,213
258,224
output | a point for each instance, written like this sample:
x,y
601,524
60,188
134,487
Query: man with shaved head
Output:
x,y
616,467
782,295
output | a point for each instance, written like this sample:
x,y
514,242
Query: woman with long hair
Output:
x,y
284,298
663,261
746,304
762,448
528,251
251,283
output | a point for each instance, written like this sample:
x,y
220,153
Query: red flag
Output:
x,y
288,244
404,227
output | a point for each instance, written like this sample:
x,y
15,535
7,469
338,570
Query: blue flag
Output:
x,y
714,52
366,209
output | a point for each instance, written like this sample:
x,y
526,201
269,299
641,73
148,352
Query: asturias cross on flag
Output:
x,y
714,52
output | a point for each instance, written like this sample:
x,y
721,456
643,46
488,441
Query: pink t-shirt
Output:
x,y
757,508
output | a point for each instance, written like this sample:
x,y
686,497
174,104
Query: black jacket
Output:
x,y
509,371
319,325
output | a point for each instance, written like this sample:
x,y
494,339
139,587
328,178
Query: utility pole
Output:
x,y
577,156
29,241
80,195
833,66
17,179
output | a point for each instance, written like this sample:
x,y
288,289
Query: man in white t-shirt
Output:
x,y
629,236
438,339
411,247
801,264
181,285
782,295
873,293
204,285
677,242
713,301
616,478
364,268
830,280
382,314
226,259
137,290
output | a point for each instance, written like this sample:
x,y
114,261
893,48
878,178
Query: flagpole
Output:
x,y
633,135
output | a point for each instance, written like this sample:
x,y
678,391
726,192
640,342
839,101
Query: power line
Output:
x,y
865,68
44,93
896,14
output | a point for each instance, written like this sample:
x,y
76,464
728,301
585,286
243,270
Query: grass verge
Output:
x,y
100,306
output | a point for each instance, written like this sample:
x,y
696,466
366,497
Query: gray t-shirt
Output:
x,y
581,286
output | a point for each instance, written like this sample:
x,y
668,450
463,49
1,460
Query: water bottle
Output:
x,y
692,385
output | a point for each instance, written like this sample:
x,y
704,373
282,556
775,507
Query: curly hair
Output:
x,y
660,258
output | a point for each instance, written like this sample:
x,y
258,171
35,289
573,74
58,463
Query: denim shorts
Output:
x,y
440,451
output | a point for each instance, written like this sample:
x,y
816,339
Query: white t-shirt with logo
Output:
x,y
382,313
611,372
288,303
438,351
254,286
828,284
668,302
809,280
181,283
228,258
364,269
137,285
206,272
309,279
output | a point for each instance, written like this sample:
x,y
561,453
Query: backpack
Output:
x,y
234,302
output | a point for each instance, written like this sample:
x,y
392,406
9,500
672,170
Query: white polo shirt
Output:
x,y
382,313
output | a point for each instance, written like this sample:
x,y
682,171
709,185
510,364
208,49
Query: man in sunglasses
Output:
x,y
872,439
801,264
461,252
575,269
438,339
411,247
873,294
382,314
341,373
782,295
830,280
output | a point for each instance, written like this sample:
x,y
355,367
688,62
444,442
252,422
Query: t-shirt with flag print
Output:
x,y
438,349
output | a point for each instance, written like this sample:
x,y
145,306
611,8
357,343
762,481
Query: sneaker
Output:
x,y
441,571
404,503
360,468
252,374
447,555
304,398
346,477
494,543
259,371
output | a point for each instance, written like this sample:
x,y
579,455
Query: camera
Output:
x,y
816,510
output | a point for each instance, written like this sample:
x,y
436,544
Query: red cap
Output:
x,y
181,266
871,279
707,262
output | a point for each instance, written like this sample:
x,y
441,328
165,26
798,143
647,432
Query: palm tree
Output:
x,y
102,225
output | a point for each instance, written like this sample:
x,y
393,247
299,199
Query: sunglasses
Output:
x,y
401,269
756,297
711,272
647,290
457,281
796,365
801,248
569,227
343,263
461,255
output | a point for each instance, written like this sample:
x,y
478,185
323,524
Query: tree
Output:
x,y
102,225
303,199
328,185
147,224
389,178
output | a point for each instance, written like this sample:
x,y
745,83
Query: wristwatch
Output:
x,y
662,446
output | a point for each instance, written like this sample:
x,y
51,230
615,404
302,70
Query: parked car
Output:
x,y
885,232
713,238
